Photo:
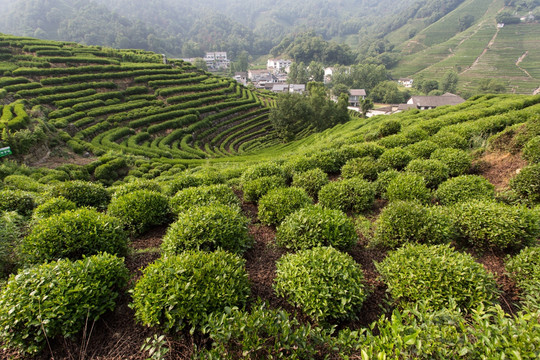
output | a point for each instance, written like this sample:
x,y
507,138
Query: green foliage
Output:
x,y
311,181
437,275
404,222
408,186
260,170
433,171
181,182
527,183
279,203
490,225
181,291
524,269
17,200
74,234
53,206
365,167
58,299
139,210
457,160
138,184
449,139
22,182
255,189
396,158
325,283
330,161
83,193
464,188
11,229
422,149
389,127
208,228
315,226
383,180
203,195
354,194
531,150
260,333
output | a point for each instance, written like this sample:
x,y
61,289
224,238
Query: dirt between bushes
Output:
x,y
117,336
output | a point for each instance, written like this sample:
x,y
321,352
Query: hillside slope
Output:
x,y
481,51
128,101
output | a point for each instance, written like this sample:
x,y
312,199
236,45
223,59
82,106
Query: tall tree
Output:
x,y
449,81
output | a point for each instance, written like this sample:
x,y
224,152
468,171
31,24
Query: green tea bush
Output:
x,y
407,186
17,200
330,161
396,158
255,189
531,150
58,299
404,222
363,149
450,140
25,183
527,183
394,141
383,180
262,333
422,149
208,228
311,181
203,195
265,169
11,229
436,274
140,210
180,291
457,160
138,184
299,164
315,226
181,182
434,172
73,234
365,167
487,224
83,193
324,282
464,188
348,195
524,269
279,203
53,206
389,127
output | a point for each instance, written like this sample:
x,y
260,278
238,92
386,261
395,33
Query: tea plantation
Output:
x,y
159,216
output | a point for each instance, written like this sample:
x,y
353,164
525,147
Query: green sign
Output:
x,y
5,151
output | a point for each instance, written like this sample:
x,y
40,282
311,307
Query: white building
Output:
x,y
279,65
217,60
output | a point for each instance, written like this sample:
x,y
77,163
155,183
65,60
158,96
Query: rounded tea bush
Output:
x,y
404,222
262,170
17,200
208,228
527,183
407,186
348,195
180,182
279,203
434,274
180,291
364,149
203,195
389,127
311,181
255,189
83,193
450,140
365,167
524,269
457,160
324,282
383,180
434,172
74,234
422,149
531,150
299,164
488,224
140,210
139,184
315,226
59,298
464,188
396,158
53,206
